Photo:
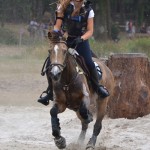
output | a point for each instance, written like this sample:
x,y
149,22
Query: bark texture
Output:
x,y
131,97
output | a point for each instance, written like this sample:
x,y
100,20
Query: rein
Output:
x,y
44,71
51,66
66,86
61,67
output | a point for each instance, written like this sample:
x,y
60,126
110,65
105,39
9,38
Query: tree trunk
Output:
x,y
108,19
139,12
122,12
131,97
100,20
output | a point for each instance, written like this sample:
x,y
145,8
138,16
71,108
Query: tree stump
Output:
x,y
131,97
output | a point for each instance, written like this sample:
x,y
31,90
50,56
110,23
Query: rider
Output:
x,y
76,17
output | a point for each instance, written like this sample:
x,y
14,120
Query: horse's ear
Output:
x,y
50,34
54,36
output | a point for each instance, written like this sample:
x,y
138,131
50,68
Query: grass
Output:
x,y
37,49
140,45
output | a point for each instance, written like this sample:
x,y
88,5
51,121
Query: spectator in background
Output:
x,y
130,25
127,27
148,30
133,30
143,28
33,27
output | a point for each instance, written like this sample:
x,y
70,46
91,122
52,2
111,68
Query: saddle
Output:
x,y
82,64
80,61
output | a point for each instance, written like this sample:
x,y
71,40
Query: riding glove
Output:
x,y
78,40
54,35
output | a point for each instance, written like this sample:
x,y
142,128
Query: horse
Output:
x,y
71,90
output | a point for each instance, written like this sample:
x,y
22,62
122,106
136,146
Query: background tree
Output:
x,y
107,13
101,18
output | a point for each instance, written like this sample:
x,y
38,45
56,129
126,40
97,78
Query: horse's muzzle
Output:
x,y
55,71
55,77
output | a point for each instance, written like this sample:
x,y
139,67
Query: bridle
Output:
x,y
60,66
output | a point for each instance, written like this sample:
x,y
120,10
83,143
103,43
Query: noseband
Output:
x,y
60,66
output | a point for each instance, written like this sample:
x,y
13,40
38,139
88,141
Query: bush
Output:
x,y
8,37
114,32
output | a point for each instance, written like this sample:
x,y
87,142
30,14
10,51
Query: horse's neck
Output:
x,y
70,70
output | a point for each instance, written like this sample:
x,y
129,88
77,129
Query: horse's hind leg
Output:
x,y
59,140
101,108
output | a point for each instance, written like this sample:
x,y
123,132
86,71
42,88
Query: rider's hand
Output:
x,y
78,40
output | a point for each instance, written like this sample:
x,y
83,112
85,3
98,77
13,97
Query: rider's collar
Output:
x,y
72,3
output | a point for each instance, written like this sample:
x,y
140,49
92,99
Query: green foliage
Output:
x,y
38,50
141,45
114,32
104,49
8,37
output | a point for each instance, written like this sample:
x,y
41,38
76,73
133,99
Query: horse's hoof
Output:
x,y
60,142
89,147
81,137
91,143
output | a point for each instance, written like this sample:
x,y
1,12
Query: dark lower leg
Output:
x,y
55,122
96,131
85,114
59,140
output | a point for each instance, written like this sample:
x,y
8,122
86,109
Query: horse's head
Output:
x,y
57,54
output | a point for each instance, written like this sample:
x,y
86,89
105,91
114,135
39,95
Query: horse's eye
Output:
x,y
64,47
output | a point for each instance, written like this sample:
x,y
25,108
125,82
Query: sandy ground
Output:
x,y
25,124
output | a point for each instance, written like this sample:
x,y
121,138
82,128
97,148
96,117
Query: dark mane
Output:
x,y
55,37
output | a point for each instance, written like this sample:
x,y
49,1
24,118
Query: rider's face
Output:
x,y
78,2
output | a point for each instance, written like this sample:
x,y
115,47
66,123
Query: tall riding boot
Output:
x,y
99,89
45,99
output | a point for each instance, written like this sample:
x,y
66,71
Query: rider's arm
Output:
x,y
58,23
89,32
59,18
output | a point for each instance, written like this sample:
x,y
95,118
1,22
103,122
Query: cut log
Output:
x,y
131,97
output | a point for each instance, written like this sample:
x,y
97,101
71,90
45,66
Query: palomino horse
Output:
x,y
71,91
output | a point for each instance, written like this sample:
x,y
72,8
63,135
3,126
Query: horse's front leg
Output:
x,y
59,140
86,117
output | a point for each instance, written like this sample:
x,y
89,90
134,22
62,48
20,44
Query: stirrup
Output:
x,y
44,99
41,96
